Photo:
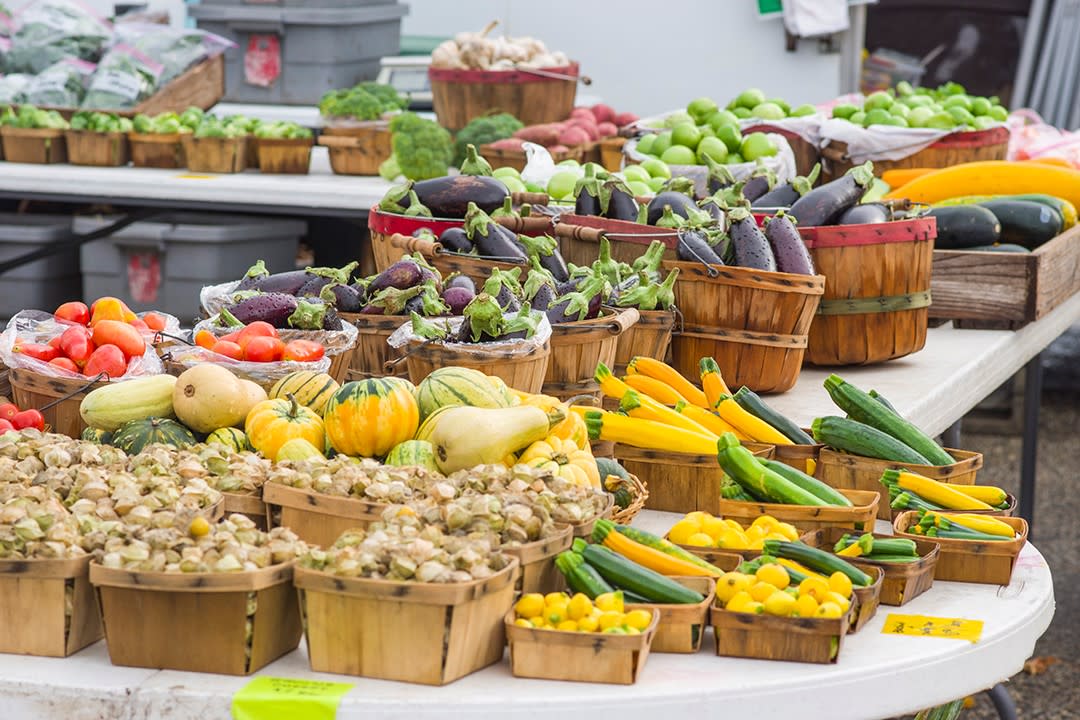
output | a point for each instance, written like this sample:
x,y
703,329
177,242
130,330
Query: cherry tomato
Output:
x,y
139,325
228,349
264,349
303,351
76,344
120,334
55,342
205,339
110,308
231,337
8,411
75,312
66,363
28,419
254,330
38,351
108,359
154,321
6,426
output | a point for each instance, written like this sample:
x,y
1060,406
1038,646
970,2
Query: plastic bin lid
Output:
x,y
25,228
299,16
197,227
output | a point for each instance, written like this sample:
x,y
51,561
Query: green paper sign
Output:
x,y
272,698
767,8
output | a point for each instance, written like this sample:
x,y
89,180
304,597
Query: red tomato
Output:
x,y
264,349
228,349
231,337
55,342
303,351
205,339
76,344
38,351
254,330
120,334
75,312
5,426
108,359
154,321
28,419
8,411
139,325
66,363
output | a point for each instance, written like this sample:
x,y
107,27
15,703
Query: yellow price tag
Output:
x,y
189,176
926,626
273,698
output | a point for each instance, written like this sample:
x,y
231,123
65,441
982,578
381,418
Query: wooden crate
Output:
x,y
33,598
248,504
901,582
196,621
316,518
995,290
577,656
806,518
414,632
854,472
769,637
972,561
682,627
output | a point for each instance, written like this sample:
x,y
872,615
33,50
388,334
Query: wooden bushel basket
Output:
x,y
250,505
806,153
462,95
372,351
157,151
854,472
215,155
358,150
35,597
902,581
611,154
578,347
196,621
318,519
755,323
970,560
522,368
953,149
800,457
429,633
538,571
877,290
682,627
86,147
860,516
283,156
680,482
579,239
34,390
650,337
578,656
476,267
39,146
769,637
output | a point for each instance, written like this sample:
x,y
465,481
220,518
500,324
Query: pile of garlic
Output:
x,y
476,51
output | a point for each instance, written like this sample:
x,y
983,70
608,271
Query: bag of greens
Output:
x,y
61,85
176,49
124,78
50,30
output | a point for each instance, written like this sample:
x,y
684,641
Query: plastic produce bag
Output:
x,y
182,357
124,77
61,85
1031,139
50,30
37,326
404,336
539,165
335,341
13,88
175,49
7,22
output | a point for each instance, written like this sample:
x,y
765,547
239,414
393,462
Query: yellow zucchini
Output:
x,y
610,385
712,382
711,421
987,493
992,177
753,427
644,407
658,390
665,373
936,492
646,433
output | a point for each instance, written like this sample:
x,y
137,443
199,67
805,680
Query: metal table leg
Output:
x,y
951,436
1003,702
1029,451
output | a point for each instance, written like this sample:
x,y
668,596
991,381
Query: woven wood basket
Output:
x,y
753,322
860,516
624,516
461,95
954,149
157,151
877,290
54,605
577,348
86,147
650,337
477,268
522,368
682,627
972,561
317,518
33,145
373,352
768,637
358,150
579,238
283,156
538,571
34,390
215,155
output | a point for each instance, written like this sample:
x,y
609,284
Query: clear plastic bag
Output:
x,y
175,49
123,79
61,85
50,30
808,127
182,357
335,341
215,298
13,88
404,336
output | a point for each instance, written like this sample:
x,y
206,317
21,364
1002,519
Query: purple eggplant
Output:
x,y
587,193
680,205
713,208
405,273
449,197
345,298
786,195
504,286
751,246
693,247
787,245
321,277
331,320
545,249
761,181
617,202
457,298
288,283
311,314
719,176
390,300
483,320
865,214
490,238
274,308
521,326
824,204
650,295
462,281
583,304
539,288
397,198
252,277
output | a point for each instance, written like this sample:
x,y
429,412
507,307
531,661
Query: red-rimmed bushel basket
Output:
x,y
953,149
754,322
877,290
544,96
579,238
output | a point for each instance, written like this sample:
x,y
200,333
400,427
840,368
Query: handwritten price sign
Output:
x,y
271,698
926,626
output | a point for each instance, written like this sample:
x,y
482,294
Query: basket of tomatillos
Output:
x,y
873,438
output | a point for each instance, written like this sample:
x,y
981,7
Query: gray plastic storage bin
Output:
x,y
320,48
299,3
163,263
43,284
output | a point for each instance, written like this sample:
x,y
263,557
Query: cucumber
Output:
x,y
1025,222
749,401
743,467
816,559
865,409
964,226
854,437
622,573
806,482
580,576
665,546
999,247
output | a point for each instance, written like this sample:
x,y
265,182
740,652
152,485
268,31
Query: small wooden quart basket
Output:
x,y
283,156
198,621
584,528
578,656
86,147
215,155
48,606
770,637
34,390
902,581
972,561
157,151
372,351
250,505
39,146
425,633
538,571
682,627
318,519
860,516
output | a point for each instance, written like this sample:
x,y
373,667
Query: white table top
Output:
x,y
877,676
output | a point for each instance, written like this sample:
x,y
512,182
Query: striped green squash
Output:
x,y
96,435
456,386
232,438
133,436
311,389
413,453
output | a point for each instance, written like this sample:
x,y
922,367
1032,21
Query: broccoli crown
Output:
x,y
423,148
483,130
366,101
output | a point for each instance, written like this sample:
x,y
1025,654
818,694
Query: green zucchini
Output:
x,y
743,467
865,409
859,439
999,247
883,400
635,599
910,501
872,557
731,490
962,226
816,559
665,546
623,573
806,482
1065,208
881,546
749,401
580,576
1025,222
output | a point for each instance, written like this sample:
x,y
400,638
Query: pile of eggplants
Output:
x,y
445,197
298,299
